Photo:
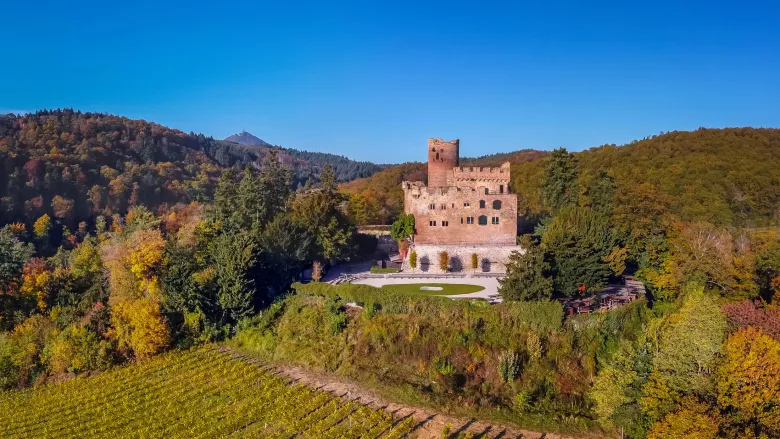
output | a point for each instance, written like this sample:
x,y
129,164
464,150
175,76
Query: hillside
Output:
x,y
725,176
74,166
179,395
305,164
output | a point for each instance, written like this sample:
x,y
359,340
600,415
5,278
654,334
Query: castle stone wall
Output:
x,y
492,258
442,215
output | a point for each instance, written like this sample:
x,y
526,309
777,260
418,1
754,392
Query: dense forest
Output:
x,y
74,166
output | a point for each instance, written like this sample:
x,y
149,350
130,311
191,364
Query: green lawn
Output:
x,y
447,289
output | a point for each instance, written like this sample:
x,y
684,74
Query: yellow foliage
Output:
x,y
138,325
42,226
749,379
121,281
35,282
18,229
690,421
146,255
134,265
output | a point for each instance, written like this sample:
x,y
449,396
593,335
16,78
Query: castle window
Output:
x,y
481,204
432,206
461,220
445,223
470,220
494,220
496,204
482,220
501,189
453,205
437,156
443,206
466,204
486,191
432,223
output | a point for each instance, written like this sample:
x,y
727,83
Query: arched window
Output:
x,y
496,204
481,204
482,220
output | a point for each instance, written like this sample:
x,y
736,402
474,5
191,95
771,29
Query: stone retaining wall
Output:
x,y
492,259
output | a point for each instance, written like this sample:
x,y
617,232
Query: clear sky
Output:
x,y
373,80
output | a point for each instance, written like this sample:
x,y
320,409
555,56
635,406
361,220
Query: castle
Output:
x,y
462,211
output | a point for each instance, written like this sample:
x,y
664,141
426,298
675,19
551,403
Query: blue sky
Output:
x,y
373,80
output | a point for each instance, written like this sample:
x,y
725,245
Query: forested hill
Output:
x,y
728,177
307,164
74,166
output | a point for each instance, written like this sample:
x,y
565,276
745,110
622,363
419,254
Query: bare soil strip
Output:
x,y
430,423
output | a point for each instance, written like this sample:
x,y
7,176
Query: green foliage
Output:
x,y
328,179
403,227
318,213
233,256
527,275
579,241
413,260
508,366
13,255
689,344
559,187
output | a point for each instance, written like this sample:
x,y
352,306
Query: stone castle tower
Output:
x,y
442,157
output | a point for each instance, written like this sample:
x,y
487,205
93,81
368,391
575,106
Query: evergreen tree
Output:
x,y
328,179
527,275
559,188
578,241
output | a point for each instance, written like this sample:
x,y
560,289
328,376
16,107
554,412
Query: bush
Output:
x,y
509,366
444,261
380,270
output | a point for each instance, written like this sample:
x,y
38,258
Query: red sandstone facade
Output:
x,y
461,205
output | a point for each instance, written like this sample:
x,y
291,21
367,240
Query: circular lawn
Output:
x,y
434,289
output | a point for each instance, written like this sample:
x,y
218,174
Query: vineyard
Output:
x,y
202,393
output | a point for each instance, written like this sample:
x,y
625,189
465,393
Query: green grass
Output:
x,y
378,270
447,289
201,393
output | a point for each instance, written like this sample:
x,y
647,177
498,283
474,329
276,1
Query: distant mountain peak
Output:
x,y
248,139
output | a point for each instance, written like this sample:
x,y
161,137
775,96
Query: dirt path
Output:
x,y
430,423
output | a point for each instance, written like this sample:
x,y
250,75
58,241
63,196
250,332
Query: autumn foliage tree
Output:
x,y
748,384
